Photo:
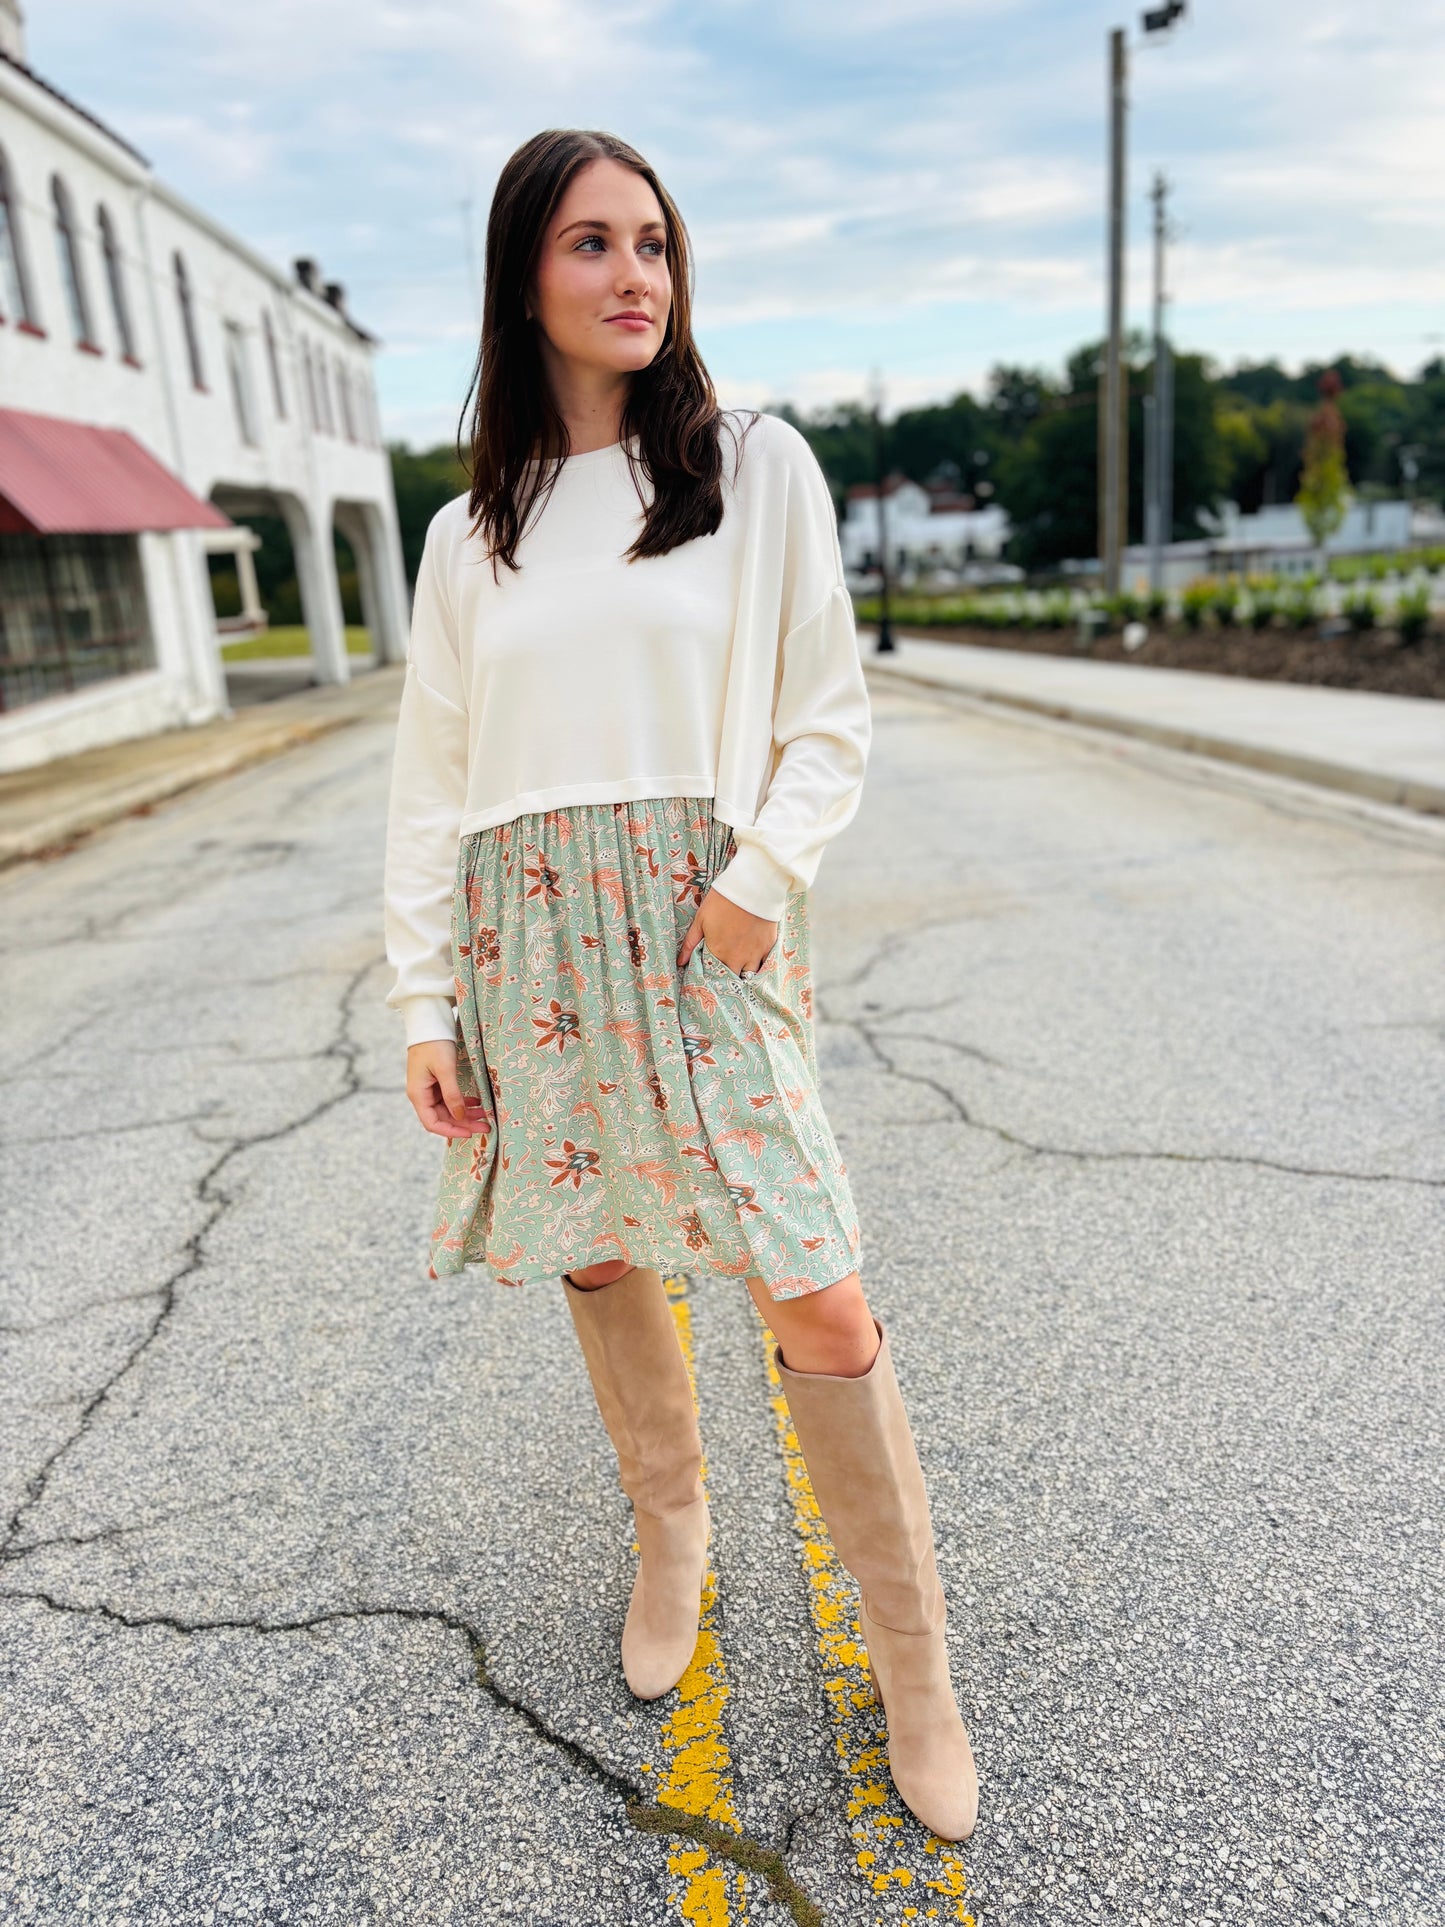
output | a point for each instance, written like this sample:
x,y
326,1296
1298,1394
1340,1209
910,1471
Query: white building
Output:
x,y
1276,541
159,382
932,531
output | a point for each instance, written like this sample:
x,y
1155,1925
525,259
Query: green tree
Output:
x,y
1324,490
1048,479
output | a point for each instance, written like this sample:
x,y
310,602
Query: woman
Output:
x,y
633,716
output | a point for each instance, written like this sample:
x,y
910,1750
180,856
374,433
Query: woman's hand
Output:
x,y
436,1096
734,936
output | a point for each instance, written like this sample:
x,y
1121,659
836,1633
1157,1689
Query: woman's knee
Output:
x,y
830,1330
593,1277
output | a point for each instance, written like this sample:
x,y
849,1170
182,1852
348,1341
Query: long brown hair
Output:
x,y
671,408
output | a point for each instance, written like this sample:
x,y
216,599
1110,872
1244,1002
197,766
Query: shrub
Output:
x,y
1122,608
1225,601
1412,613
1299,606
1156,605
1362,609
1263,604
1194,600
1056,612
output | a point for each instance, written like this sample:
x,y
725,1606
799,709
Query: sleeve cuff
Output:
x,y
755,882
429,1020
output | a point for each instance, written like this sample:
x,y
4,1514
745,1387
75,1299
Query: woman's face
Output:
x,y
604,255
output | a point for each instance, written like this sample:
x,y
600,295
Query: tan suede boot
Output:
x,y
865,1475
639,1376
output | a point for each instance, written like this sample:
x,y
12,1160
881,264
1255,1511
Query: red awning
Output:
x,y
61,477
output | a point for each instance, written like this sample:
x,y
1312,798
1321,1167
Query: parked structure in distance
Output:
x,y
159,382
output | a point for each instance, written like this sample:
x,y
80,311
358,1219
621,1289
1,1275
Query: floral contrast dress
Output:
x,y
631,1109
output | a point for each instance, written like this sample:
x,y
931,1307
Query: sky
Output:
x,y
915,187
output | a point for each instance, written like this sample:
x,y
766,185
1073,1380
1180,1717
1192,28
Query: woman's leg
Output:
x,y
836,1368
827,1331
639,1376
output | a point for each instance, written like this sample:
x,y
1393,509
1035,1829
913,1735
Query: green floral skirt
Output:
x,y
632,1110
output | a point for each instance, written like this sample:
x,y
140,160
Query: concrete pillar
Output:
x,y
320,591
385,601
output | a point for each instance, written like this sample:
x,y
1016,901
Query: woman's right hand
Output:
x,y
436,1096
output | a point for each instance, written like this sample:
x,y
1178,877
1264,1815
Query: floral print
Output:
x,y
632,1110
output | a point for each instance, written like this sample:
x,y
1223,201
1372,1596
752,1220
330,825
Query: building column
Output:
x,y
320,591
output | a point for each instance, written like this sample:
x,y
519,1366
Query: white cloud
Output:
x,y
854,178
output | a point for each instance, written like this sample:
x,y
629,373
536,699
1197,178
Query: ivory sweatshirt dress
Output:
x,y
585,747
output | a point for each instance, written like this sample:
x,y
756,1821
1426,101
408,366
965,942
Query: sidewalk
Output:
x,y
45,810
1388,748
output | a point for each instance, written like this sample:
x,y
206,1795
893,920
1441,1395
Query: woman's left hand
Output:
x,y
734,936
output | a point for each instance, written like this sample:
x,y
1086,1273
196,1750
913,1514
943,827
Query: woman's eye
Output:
x,y
661,246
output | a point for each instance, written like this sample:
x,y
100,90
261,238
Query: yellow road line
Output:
x,y
907,1889
697,1769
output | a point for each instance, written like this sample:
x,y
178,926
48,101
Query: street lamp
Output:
x,y
1114,377
886,645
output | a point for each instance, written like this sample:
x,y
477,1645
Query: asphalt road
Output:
x,y
315,1567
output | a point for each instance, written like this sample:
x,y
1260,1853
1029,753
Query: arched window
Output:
x,y
70,275
273,363
14,281
313,412
239,371
343,396
188,321
323,392
115,281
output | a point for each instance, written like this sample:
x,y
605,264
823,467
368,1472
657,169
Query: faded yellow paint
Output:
x,y
696,1775
874,1809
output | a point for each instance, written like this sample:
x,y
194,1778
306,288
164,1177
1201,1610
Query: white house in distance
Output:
x,y
159,382
1276,541
932,531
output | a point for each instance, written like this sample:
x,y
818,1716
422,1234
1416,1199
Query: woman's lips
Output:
x,y
628,321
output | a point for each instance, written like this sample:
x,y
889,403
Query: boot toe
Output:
x,y
944,1796
659,1635
929,1755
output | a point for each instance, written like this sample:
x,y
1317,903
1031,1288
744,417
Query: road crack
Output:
x,y
346,1051
646,1815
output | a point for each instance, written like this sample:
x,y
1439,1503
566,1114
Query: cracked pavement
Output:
x,y
313,1568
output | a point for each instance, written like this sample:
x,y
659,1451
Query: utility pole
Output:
x,y
1114,392
886,645
1114,376
1159,410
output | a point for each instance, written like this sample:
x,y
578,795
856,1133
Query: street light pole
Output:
x,y
1114,376
1114,398
1157,491
886,645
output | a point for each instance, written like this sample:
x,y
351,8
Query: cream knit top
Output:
x,y
728,668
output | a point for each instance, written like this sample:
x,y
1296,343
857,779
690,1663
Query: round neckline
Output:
x,y
613,449
591,454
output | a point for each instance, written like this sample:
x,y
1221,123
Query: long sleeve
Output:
x,y
428,794
822,722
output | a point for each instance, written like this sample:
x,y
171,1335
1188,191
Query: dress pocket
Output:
x,y
744,984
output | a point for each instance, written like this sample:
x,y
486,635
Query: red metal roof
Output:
x,y
61,477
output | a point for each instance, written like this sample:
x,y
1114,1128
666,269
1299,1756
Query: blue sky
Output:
x,y
907,185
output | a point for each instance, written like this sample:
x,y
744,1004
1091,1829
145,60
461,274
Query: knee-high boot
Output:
x,y
639,1376
864,1470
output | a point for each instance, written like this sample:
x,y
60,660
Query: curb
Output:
x,y
57,835
1403,792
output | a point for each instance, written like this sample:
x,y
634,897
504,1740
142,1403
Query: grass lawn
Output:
x,y
290,642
